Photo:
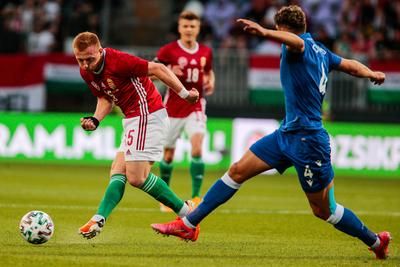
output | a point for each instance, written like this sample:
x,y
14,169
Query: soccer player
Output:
x,y
301,141
192,64
118,78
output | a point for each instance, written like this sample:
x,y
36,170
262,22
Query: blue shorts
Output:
x,y
308,151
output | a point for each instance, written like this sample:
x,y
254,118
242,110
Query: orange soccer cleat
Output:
x,y
177,228
382,252
91,228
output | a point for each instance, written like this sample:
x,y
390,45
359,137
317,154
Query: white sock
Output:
x,y
184,210
377,243
98,218
187,223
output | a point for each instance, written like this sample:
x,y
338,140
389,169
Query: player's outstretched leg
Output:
x,y
188,228
112,197
159,190
346,221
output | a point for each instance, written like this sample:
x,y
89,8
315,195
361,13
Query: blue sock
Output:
x,y
346,221
351,225
221,191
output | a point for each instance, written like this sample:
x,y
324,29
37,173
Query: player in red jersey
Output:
x,y
118,78
192,63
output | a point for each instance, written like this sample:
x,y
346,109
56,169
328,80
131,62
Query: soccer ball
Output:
x,y
36,227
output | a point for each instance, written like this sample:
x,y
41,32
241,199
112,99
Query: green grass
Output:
x,y
268,223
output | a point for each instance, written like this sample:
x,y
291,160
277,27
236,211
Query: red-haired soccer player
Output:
x,y
118,78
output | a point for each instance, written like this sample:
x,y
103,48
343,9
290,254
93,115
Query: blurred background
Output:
x,y
39,75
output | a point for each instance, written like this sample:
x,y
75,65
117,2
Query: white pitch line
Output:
x,y
156,210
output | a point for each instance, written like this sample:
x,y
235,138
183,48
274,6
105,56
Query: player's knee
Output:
x,y
168,159
168,155
196,150
321,212
117,168
236,172
135,181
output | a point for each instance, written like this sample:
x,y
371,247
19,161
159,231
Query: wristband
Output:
x,y
94,120
183,93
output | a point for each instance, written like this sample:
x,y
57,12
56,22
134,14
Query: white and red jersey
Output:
x,y
123,79
194,63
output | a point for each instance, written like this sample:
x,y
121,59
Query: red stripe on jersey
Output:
x,y
144,111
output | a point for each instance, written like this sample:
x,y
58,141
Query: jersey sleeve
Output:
x,y
129,65
162,56
334,60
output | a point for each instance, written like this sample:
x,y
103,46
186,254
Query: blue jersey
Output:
x,y
304,77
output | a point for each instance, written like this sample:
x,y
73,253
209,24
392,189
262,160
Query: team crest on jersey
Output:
x,y
203,62
182,62
111,84
95,85
193,62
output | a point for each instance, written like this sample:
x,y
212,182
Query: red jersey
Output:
x,y
194,63
123,79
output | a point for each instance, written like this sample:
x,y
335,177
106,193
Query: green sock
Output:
x,y
165,171
113,195
197,173
159,190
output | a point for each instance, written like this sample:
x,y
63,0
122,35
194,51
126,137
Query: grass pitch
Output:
x,y
267,223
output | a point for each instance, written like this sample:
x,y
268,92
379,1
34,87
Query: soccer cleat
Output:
x,y
177,228
164,208
382,252
196,201
91,228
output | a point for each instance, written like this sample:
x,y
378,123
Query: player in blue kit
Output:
x,y
301,141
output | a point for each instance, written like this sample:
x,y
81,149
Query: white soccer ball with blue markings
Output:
x,y
36,227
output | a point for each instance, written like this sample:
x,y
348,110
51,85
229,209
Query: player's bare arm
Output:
x,y
357,69
103,108
283,35
165,75
209,82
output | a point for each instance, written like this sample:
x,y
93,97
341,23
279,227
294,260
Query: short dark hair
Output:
x,y
189,15
292,17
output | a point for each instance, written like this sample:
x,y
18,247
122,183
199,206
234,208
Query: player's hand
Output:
x,y
177,70
208,87
252,27
378,77
193,96
88,124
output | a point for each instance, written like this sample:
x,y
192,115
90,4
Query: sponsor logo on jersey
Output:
x,y
95,85
193,62
182,62
111,84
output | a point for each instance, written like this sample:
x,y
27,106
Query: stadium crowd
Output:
x,y
364,29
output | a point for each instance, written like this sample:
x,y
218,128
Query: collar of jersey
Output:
x,y
102,64
190,51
